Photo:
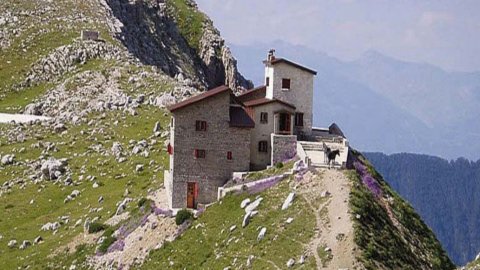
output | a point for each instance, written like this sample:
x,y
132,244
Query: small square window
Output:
x,y
263,146
199,153
263,117
285,83
229,155
299,119
201,125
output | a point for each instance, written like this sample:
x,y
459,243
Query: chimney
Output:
x,y
271,55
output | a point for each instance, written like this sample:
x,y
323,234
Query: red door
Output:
x,y
191,195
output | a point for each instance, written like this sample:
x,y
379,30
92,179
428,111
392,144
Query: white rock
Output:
x,y
12,243
95,185
253,205
261,234
233,228
245,203
289,220
246,219
288,201
290,263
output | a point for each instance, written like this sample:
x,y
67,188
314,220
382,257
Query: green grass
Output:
x,y
213,246
271,171
325,256
23,221
189,20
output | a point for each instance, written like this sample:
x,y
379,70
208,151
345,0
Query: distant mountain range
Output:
x,y
384,104
444,193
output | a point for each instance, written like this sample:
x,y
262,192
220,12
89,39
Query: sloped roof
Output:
x,y
240,118
253,93
200,97
262,101
286,61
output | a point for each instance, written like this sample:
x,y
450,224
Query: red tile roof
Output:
x,y
252,94
286,61
240,118
262,101
200,97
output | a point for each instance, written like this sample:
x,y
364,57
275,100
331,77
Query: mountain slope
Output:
x,y
400,106
104,147
443,192
350,224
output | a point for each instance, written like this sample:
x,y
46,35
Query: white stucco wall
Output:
x,y
300,93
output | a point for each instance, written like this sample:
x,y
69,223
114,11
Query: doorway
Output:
x,y
285,123
192,193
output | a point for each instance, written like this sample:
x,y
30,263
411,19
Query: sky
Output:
x,y
438,32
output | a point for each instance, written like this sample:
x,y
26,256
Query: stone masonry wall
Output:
x,y
284,147
262,132
214,170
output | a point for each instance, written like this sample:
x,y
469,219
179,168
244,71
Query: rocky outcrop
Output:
x,y
149,31
66,58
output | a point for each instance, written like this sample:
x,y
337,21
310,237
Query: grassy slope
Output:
x,y
189,20
385,246
22,221
36,40
207,247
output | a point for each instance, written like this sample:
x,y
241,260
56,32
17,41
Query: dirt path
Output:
x,y
334,228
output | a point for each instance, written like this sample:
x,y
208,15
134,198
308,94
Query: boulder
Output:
x,y
7,160
50,226
53,168
253,205
38,240
58,128
261,234
12,243
290,263
117,149
157,127
288,201
25,244
246,219
245,203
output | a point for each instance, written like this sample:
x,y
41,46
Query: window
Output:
x,y
263,146
285,83
229,155
267,81
198,153
263,117
170,149
201,125
299,119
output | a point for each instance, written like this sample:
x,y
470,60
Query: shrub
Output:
x,y
106,244
279,165
142,202
182,216
96,227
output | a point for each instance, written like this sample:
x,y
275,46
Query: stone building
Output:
x,y
217,133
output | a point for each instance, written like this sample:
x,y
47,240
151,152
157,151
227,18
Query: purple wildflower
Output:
x,y
159,211
265,184
118,245
372,185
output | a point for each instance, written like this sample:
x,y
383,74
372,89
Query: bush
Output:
x,y
96,227
106,244
279,165
182,216
142,202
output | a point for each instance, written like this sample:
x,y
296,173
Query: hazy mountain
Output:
x,y
384,104
445,193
